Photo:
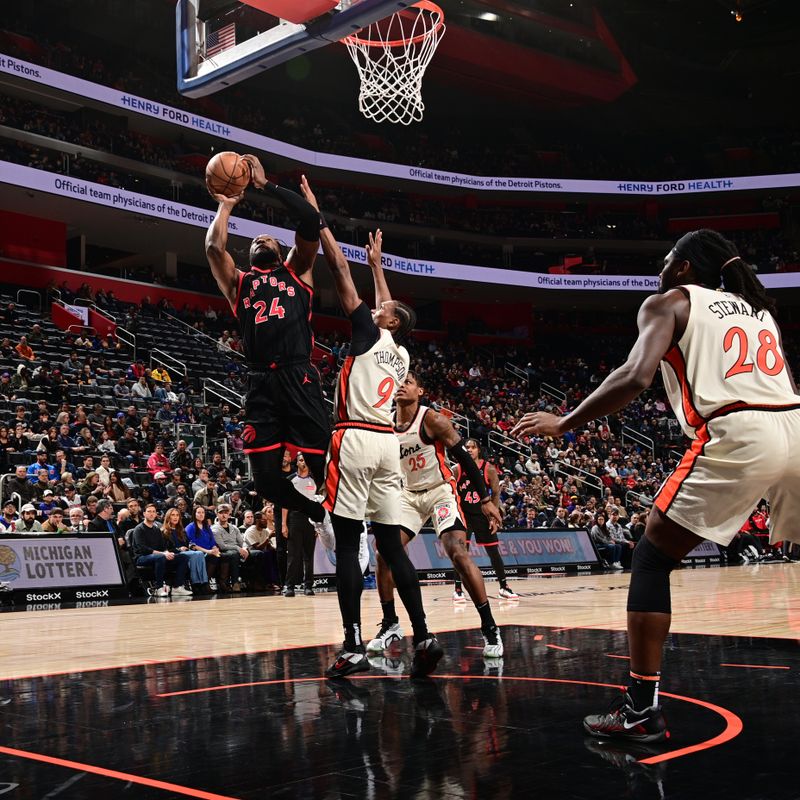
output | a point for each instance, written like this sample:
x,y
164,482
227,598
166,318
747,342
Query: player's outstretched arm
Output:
x,y
374,249
657,324
306,240
337,263
222,267
439,429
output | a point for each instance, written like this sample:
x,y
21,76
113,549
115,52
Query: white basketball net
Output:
x,y
391,56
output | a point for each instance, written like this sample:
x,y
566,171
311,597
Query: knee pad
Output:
x,y
388,541
348,534
650,571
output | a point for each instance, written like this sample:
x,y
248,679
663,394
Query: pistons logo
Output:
x,y
249,434
442,513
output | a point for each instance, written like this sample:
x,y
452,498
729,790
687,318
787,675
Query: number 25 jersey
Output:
x,y
728,356
273,307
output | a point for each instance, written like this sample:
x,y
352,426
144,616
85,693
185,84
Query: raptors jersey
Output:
x,y
273,307
468,494
728,356
367,383
423,462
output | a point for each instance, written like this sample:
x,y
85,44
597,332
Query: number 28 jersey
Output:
x,y
368,382
273,307
728,356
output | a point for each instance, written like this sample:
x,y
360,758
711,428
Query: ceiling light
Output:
x,y
489,16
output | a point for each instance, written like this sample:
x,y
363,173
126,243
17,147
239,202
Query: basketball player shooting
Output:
x,y
363,465
730,387
429,492
284,405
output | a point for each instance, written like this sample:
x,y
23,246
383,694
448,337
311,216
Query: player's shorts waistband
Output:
x,y
740,406
363,426
426,489
263,369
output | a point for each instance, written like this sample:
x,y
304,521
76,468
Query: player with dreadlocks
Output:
x,y
712,329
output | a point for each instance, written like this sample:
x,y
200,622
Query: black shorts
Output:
x,y
285,408
479,525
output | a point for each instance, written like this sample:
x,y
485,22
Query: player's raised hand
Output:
x,y
374,247
257,175
225,201
492,514
539,422
308,194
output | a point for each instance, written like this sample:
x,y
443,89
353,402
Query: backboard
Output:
x,y
222,42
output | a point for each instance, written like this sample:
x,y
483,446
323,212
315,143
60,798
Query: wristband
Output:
x,y
487,499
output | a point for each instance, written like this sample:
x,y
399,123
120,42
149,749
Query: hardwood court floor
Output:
x,y
224,698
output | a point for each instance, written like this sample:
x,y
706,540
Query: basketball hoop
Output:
x,y
391,57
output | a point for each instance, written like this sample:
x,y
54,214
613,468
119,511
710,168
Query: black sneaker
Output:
x,y
308,591
289,591
427,655
348,662
622,722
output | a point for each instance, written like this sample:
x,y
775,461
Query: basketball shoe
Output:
x,y
507,593
493,644
621,721
427,654
388,634
458,596
348,662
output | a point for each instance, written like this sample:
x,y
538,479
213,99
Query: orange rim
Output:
x,y
422,5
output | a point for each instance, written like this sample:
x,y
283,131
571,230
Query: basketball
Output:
x,y
227,173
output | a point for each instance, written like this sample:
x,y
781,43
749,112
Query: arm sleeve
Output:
x,y
365,331
468,466
307,217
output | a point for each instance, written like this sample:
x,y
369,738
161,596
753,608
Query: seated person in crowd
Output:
x,y
151,549
28,522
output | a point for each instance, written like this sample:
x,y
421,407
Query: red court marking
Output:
x,y
611,655
733,727
754,666
111,773
560,630
733,723
558,647
472,647
538,637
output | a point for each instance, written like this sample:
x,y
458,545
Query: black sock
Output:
x,y
644,689
487,620
497,564
389,613
349,581
387,539
353,642
457,585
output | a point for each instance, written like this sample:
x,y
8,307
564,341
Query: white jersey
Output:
x,y
728,357
368,382
423,462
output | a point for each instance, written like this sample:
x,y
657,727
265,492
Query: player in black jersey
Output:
x,y
476,521
284,406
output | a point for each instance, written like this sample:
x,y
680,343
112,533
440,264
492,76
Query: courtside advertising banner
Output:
x,y
110,197
253,141
525,549
45,562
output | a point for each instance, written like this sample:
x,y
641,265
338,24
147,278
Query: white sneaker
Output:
x,y
162,591
508,593
389,633
617,565
181,591
324,529
212,584
493,644
459,597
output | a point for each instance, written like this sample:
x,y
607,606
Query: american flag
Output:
x,y
221,40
